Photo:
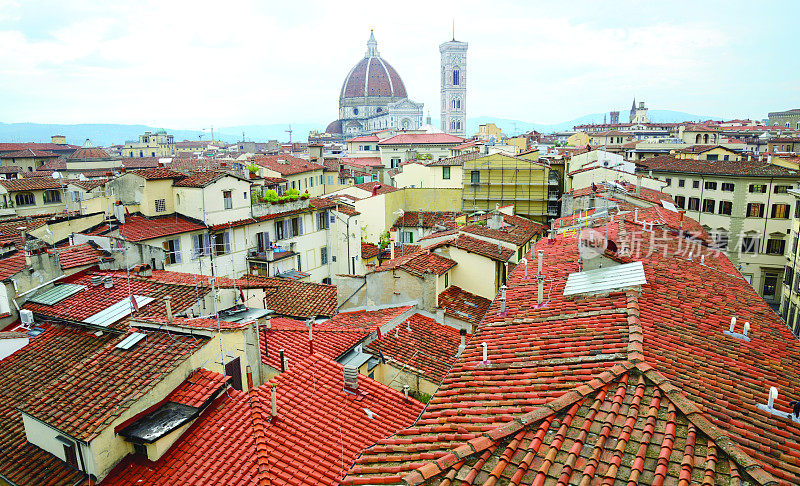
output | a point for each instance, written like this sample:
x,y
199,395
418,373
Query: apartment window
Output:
x,y
710,185
446,279
300,265
755,210
775,246
782,189
322,220
694,203
221,243
52,196
293,183
788,273
681,182
330,180
406,237
709,205
201,245
749,244
797,211
669,181
758,188
725,157
695,184
70,456
728,186
296,226
279,230
445,172
323,255
172,251
680,201
226,198
161,205
394,163
475,177
780,211
25,199
725,207
712,157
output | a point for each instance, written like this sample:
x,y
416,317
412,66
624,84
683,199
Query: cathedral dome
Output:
x,y
373,77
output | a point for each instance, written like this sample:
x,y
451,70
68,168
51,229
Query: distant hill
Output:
x,y
111,134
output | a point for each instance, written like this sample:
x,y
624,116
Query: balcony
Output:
x,y
260,210
552,196
271,254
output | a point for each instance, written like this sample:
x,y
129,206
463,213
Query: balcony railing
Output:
x,y
264,209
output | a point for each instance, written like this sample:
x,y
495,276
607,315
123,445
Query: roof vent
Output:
x,y
485,347
502,312
108,281
96,280
351,379
405,391
26,316
743,335
770,406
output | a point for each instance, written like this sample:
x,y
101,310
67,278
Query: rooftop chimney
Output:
x,y
273,392
108,281
524,261
405,391
485,352
249,377
351,378
283,361
311,335
503,289
639,185
168,305
540,257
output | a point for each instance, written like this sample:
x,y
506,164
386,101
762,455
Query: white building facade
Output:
x,y
454,87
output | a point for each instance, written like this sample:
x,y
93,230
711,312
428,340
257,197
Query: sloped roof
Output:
x,y
634,385
12,264
30,184
236,444
198,388
481,247
667,163
419,263
368,320
140,228
29,153
458,160
427,219
203,179
420,344
369,250
382,188
293,298
155,173
286,164
78,255
292,336
422,139
463,305
517,230
89,184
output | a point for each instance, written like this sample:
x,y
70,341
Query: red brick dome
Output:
x,y
373,77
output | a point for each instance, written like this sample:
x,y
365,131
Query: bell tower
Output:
x,y
454,87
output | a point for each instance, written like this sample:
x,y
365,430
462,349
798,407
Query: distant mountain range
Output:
x,y
112,134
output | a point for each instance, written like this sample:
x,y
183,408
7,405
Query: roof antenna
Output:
x,y
454,29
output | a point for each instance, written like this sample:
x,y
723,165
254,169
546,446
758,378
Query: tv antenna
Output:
x,y
289,131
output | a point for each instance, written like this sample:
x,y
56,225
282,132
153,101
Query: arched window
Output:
x,y
25,199
697,139
455,77
458,102
798,125
705,138
458,125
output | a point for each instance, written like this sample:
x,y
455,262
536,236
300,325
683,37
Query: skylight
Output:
x,y
56,294
114,313
605,279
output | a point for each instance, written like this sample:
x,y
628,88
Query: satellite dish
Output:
x,y
56,175
81,177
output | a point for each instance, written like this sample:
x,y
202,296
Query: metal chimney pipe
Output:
x,y
405,391
746,328
540,254
773,395
273,391
503,289
249,377
283,362
540,290
463,333
524,261
168,305
733,323
485,351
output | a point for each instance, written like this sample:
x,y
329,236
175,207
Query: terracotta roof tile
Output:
x,y
420,344
667,163
139,228
368,250
419,263
422,139
463,305
370,186
156,173
12,264
78,255
30,184
292,336
201,179
292,298
286,164
29,153
198,388
427,219
89,184
517,230
368,320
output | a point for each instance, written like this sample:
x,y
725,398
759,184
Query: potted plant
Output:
x,y
253,170
271,196
292,194
305,195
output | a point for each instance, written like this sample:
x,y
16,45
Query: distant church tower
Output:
x,y
638,114
454,87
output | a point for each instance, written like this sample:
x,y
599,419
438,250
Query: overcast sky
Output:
x,y
192,63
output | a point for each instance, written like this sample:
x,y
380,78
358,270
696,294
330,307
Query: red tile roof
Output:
x,y
292,336
368,250
667,163
12,265
88,185
236,444
456,161
156,173
92,300
382,188
293,298
140,162
139,228
364,138
78,255
97,390
369,320
198,388
420,345
420,263
422,139
363,161
286,164
517,230
201,179
427,219
480,247
11,147
89,153
30,184
463,305
629,385
29,154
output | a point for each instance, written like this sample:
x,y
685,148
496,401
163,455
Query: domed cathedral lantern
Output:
x,y
373,97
